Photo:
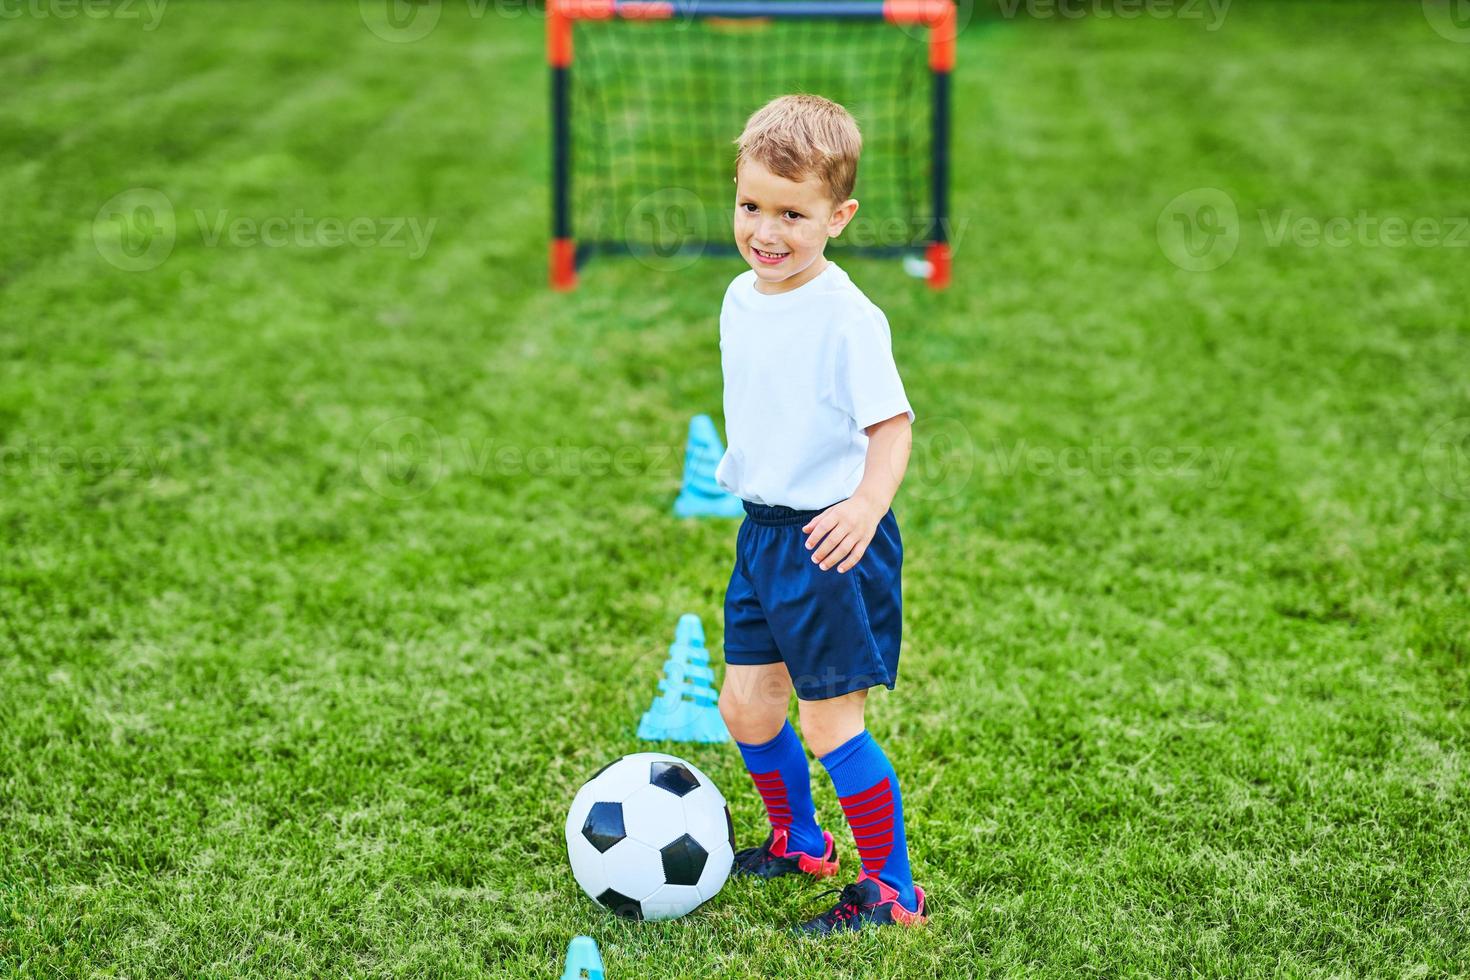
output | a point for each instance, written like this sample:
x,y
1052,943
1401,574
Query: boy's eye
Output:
x,y
750,208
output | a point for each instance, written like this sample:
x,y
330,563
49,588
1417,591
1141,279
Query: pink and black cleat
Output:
x,y
867,902
772,860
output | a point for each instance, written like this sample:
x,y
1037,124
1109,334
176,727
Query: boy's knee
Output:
x,y
751,722
825,725
729,705
819,736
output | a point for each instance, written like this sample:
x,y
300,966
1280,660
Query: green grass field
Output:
x,y
329,573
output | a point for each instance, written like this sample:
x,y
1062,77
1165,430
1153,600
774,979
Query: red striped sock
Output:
x,y
783,778
868,788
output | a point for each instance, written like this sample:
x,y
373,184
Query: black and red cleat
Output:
x,y
772,859
867,902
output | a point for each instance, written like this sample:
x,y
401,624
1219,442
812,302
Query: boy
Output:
x,y
819,437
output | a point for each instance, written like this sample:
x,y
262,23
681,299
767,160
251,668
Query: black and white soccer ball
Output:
x,y
650,837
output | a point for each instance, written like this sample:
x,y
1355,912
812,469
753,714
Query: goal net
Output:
x,y
648,97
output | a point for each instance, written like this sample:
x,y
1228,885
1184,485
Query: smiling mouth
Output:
x,y
769,255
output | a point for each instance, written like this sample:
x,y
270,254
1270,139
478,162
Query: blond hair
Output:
x,y
800,136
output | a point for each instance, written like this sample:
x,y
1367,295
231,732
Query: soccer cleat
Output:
x,y
866,902
772,860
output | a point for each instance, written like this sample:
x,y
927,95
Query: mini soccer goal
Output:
x,y
647,97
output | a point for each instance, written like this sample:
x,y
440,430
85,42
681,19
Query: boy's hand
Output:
x,y
841,533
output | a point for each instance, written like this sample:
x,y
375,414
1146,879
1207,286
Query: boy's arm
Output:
x,y
841,532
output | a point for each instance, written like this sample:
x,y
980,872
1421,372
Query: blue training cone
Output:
x,y
700,495
582,955
687,709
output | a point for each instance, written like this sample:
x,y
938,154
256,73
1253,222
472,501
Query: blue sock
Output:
x,y
868,788
782,777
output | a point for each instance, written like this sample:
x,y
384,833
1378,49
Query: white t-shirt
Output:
x,y
805,372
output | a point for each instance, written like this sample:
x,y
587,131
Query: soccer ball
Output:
x,y
650,837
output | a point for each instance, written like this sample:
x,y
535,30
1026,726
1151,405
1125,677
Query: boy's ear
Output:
x,y
841,217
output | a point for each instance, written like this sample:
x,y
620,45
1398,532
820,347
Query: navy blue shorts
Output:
x,y
836,633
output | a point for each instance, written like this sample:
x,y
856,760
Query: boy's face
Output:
x,y
782,226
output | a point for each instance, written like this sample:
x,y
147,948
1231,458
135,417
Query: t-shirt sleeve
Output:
x,y
868,386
